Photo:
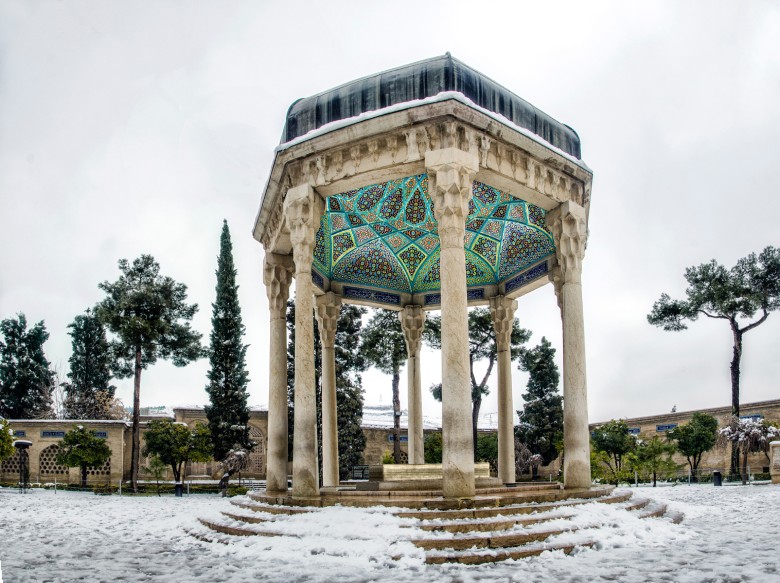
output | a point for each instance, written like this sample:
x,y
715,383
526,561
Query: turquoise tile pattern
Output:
x,y
385,236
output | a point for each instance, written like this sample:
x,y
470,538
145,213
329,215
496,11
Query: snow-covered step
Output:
x,y
513,509
487,525
270,508
496,555
493,541
652,510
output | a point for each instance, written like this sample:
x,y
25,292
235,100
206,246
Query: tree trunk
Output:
x,y
654,478
396,417
135,454
744,466
737,357
474,419
83,475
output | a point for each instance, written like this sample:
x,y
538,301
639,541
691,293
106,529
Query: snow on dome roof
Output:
x,y
418,81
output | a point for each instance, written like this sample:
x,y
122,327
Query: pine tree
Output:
x,y
89,392
541,420
228,413
349,390
25,378
149,315
384,346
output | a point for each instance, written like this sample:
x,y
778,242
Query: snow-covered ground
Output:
x,y
729,534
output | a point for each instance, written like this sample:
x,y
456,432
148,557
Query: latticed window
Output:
x,y
257,456
48,462
11,465
104,470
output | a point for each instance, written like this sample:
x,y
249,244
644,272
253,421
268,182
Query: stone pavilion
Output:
x,y
426,187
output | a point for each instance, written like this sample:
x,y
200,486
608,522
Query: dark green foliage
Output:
x,y
487,449
89,392
611,442
432,445
228,413
695,438
349,390
482,345
25,379
176,444
6,440
654,457
751,287
541,420
383,346
82,448
150,318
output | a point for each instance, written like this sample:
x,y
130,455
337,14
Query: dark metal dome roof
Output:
x,y
418,81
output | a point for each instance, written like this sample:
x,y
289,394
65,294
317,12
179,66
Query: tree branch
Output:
x,y
757,322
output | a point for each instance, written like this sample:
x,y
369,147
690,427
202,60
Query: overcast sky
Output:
x,y
136,127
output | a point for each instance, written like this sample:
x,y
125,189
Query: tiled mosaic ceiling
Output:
x,y
385,236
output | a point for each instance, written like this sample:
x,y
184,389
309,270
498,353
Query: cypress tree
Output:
x,y
89,392
25,378
541,420
228,413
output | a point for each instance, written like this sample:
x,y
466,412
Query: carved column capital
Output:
x,y
502,310
450,176
570,234
327,310
412,322
277,275
303,210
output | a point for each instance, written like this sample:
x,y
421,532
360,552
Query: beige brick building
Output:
x,y
45,435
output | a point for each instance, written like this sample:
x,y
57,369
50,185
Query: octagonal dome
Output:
x,y
385,236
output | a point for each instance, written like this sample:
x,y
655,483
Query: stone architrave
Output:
x,y
569,227
412,321
450,177
303,209
277,275
328,308
502,310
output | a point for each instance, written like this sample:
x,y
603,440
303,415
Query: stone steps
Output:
x,y
490,528
519,508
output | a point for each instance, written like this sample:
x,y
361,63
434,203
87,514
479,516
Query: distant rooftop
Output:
x,y
418,81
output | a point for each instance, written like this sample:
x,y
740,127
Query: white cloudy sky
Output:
x,y
136,127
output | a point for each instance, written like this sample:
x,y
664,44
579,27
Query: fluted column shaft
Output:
x,y
569,228
303,209
502,309
328,308
277,275
450,176
412,321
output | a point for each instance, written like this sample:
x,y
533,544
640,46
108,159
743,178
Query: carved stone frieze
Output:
x,y
277,275
568,224
303,209
327,311
502,311
412,322
450,177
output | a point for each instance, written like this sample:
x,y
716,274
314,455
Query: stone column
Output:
x,y
450,176
774,457
569,228
302,210
277,275
328,307
502,310
412,321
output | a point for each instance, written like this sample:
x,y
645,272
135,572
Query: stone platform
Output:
x,y
497,524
